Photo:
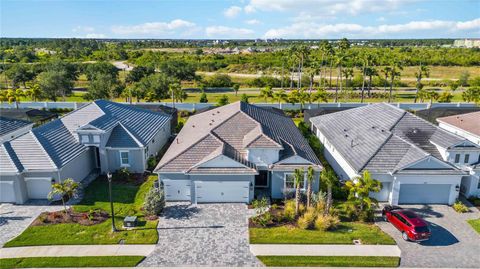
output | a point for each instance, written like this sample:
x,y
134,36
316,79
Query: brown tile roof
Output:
x,y
469,122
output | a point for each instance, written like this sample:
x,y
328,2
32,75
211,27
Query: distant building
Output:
x,y
12,128
467,43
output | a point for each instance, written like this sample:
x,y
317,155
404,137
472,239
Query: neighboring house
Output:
x,y
34,115
12,128
102,136
467,126
416,161
234,152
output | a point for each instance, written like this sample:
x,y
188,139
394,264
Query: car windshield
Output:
x,y
409,214
422,229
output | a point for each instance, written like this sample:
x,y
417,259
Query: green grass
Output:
x,y
94,261
128,200
475,223
369,234
333,261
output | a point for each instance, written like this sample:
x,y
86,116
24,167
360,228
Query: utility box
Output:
x,y
130,221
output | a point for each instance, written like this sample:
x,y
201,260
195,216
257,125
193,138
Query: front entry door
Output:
x,y
261,180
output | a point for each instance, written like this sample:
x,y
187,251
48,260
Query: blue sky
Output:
x,y
215,19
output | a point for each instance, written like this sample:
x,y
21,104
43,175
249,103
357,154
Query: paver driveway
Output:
x,y
14,219
453,243
202,235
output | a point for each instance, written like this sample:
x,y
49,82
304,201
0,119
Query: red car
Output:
x,y
413,227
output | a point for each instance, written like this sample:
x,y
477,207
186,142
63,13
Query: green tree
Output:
x,y
463,79
178,69
203,98
154,202
445,97
137,73
472,94
218,81
65,189
266,93
329,178
359,189
14,96
310,179
175,92
320,95
223,100
395,66
19,73
107,70
34,91
423,71
236,87
280,96
298,180
102,86
244,98
54,84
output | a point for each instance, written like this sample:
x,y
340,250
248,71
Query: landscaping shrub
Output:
x,y
307,221
121,174
151,163
327,222
154,202
460,207
263,219
289,211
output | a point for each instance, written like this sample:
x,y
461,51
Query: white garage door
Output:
x,y
177,190
38,188
424,193
7,194
222,191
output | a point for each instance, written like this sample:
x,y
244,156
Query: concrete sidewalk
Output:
x,y
77,251
325,250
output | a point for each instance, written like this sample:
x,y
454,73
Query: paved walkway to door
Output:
x,y
202,235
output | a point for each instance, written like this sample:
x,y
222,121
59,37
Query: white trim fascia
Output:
x,y
424,158
219,155
307,162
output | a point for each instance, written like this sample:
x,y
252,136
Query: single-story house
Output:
x,y
416,161
12,128
100,137
234,153
467,126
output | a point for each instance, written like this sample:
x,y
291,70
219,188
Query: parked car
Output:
x,y
413,227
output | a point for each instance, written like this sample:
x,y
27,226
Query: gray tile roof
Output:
x,y
54,144
8,125
382,137
120,138
230,129
9,162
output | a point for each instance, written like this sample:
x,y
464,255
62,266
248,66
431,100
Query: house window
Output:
x,y
467,157
124,158
96,139
85,139
457,158
290,182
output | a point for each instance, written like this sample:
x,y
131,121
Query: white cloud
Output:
x,y
154,28
228,32
232,11
94,35
413,28
381,19
252,22
249,9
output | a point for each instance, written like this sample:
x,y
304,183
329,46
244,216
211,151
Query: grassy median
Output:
x,y
333,261
94,261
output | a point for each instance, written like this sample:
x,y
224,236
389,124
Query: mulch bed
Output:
x,y
82,218
277,219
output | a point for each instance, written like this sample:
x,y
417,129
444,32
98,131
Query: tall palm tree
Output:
x,y
395,67
386,73
299,177
266,93
280,96
422,71
330,179
370,72
359,189
33,91
310,178
343,47
174,89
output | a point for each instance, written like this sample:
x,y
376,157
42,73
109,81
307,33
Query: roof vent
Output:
x,y
210,123
344,130
218,111
373,127
193,126
346,135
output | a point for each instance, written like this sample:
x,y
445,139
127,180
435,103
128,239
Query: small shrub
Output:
x,y
151,163
327,222
122,174
366,215
460,207
307,221
263,219
289,211
274,206
260,206
154,202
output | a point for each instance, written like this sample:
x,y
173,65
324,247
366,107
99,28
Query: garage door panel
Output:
x,y
424,193
177,190
7,194
38,188
222,191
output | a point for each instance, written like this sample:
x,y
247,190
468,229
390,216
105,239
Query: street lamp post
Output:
x,y
109,177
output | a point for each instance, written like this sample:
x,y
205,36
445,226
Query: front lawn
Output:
x,y
475,223
128,200
346,232
334,261
94,261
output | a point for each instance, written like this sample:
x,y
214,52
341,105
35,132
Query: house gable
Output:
x,y
428,163
220,161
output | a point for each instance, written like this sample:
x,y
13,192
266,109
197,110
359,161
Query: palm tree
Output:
x,y
422,71
395,68
67,188
359,189
3,96
386,72
266,93
330,179
14,96
33,91
299,177
370,72
310,178
280,96
174,91
320,95
343,47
